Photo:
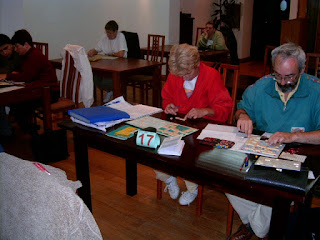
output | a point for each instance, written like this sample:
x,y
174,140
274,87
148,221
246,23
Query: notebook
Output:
x,y
98,114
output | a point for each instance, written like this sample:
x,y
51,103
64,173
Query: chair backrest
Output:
x,y
313,64
198,34
43,47
230,77
71,80
267,60
155,50
133,44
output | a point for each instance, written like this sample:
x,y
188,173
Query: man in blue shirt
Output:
x,y
287,104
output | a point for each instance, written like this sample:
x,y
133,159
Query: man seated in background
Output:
x,y
112,43
35,70
211,38
287,104
9,60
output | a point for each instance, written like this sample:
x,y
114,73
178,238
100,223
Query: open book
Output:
x,y
99,56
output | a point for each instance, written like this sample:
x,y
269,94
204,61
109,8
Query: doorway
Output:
x,y
266,26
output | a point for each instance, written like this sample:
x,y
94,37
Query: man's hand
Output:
x,y
244,124
171,109
281,137
205,33
196,113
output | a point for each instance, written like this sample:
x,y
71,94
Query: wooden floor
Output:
x,y
143,216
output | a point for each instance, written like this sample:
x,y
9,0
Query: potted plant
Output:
x,y
226,16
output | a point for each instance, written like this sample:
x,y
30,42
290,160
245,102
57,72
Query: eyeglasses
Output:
x,y
288,78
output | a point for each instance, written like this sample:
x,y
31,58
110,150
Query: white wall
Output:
x,y
82,22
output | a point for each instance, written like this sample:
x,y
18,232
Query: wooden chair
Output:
x,y
198,34
155,53
43,47
313,64
69,88
267,60
230,77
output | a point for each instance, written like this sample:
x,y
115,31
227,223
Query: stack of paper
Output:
x,y
171,146
123,132
132,112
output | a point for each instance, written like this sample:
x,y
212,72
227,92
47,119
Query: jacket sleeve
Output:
x,y
219,99
202,41
29,72
167,93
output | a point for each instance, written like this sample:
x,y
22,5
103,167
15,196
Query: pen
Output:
x,y
247,160
244,162
175,106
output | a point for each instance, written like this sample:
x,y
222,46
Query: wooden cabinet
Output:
x,y
186,28
296,31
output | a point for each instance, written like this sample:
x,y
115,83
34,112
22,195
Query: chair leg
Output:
x,y
199,200
159,189
142,93
101,96
230,219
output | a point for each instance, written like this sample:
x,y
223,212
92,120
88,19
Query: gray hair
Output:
x,y
289,50
183,59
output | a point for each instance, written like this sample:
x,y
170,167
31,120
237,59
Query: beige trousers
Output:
x,y
257,215
164,177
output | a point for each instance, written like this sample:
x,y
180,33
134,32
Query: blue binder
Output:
x,y
98,114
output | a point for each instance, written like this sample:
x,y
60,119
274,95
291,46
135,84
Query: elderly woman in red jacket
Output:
x,y
196,90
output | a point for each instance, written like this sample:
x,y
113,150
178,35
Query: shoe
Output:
x,y
108,96
188,197
173,187
243,233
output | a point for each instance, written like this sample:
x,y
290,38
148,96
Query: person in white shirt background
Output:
x,y
112,43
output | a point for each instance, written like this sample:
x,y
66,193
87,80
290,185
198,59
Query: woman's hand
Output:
x,y
171,109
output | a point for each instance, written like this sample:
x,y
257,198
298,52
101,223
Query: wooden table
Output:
x,y
119,68
208,55
185,166
27,94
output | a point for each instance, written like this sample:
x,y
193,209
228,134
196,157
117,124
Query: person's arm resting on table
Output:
x,y
312,137
118,54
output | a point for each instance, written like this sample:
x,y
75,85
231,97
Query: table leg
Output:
x,y
47,118
156,86
279,219
116,84
82,168
131,177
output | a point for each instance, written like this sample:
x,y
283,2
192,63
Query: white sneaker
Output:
x,y
188,197
108,96
173,187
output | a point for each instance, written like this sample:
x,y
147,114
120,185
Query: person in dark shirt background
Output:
x,y
35,70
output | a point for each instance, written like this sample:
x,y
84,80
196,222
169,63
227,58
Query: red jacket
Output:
x,y
35,68
209,92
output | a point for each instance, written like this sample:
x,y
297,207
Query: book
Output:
x,y
163,127
98,114
294,181
98,57
124,132
171,146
